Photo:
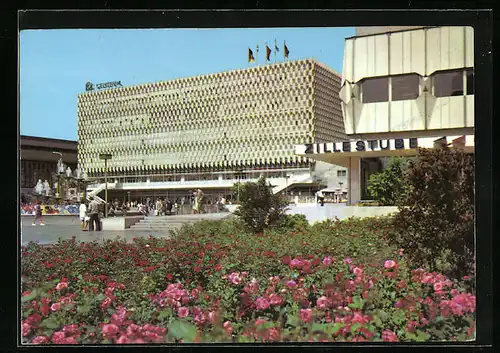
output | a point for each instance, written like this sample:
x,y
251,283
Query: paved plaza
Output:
x,y
65,227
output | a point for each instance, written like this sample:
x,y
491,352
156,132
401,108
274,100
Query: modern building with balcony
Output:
x,y
402,88
211,131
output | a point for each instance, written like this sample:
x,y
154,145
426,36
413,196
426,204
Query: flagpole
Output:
x,y
284,46
257,57
275,51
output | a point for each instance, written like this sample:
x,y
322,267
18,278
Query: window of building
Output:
x,y
341,173
375,90
405,87
470,81
448,83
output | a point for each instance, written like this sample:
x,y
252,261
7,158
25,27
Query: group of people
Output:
x,y
90,215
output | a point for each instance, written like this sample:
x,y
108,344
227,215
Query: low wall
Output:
x,y
120,223
130,221
317,213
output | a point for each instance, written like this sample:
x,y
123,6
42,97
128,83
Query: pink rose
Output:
x,y
212,316
296,263
438,286
40,340
58,336
389,264
227,326
357,271
200,318
71,329
123,340
327,260
106,302
62,285
68,340
389,336
260,321
323,303
55,306
109,330
25,328
183,311
291,284
274,334
275,299
262,303
306,315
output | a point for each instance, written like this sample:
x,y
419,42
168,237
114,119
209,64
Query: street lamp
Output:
x,y
58,179
105,156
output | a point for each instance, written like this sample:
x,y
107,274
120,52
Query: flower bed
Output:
x,y
335,281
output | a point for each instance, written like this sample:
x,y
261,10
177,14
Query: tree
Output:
x,y
389,186
435,222
259,207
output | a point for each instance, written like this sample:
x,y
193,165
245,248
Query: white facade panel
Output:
x,y
372,117
433,50
415,52
347,73
381,55
469,103
361,58
406,115
446,113
469,47
396,53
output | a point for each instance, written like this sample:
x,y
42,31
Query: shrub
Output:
x,y
259,206
292,222
436,224
389,186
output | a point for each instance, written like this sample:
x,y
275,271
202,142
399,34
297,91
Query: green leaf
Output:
x,y
337,326
30,296
80,277
100,297
292,320
355,327
422,336
83,309
49,323
183,330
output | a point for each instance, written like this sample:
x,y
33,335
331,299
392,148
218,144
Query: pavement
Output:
x,y
65,227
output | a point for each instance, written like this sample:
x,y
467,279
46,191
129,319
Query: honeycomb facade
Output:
x,y
249,118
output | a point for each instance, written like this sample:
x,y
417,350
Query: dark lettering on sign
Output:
x,y
325,146
371,143
413,142
335,148
360,146
346,146
399,144
387,146
309,149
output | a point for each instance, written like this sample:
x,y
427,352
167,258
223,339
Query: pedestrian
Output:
x,y
93,214
158,207
37,210
164,207
169,207
83,212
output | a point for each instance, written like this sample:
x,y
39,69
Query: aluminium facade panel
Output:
x,y
236,119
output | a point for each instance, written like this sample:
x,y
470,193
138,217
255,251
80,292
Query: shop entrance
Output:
x,y
369,166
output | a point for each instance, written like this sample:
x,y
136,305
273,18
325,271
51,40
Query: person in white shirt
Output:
x,y
83,213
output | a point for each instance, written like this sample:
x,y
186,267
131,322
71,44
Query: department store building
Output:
x,y
211,131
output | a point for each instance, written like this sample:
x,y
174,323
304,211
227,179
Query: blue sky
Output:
x,y
56,64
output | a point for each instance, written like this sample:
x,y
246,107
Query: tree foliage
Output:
x,y
435,224
389,186
259,207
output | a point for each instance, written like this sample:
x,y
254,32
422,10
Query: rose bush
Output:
x,y
211,282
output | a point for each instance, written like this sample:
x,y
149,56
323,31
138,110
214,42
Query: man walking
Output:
x,y
94,214
38,214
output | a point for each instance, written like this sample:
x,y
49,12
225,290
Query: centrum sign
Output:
x,y
89,86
